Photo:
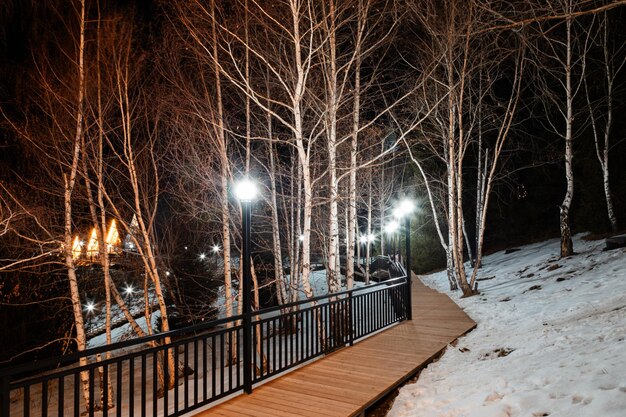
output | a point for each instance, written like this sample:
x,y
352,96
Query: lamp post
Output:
x,y
402,211
246,191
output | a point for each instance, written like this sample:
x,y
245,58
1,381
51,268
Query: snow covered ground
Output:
x,y
550,341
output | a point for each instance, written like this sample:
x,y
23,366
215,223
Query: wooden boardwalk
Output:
x,y
348,381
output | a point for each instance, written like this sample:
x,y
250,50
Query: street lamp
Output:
x,y
391,229
246,191
216,250
90,307
129,290
202,256
402,211
363,241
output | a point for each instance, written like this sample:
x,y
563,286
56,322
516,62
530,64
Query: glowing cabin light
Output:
x,y
77,248
113,237
92,246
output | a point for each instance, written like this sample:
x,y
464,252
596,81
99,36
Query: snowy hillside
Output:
x,y
550,341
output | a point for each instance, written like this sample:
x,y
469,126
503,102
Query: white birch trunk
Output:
x,y
566,233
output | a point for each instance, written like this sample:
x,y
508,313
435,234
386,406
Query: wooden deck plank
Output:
x,y
344,383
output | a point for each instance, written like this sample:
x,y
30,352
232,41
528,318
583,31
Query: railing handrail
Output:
x,y
327,295
73,357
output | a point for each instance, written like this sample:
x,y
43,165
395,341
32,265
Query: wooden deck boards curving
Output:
x,y
348,381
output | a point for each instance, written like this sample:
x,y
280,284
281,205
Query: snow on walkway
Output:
x,y
550,341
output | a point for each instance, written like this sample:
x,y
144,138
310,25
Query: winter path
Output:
x,y
348,381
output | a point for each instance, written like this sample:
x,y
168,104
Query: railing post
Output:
x,y
350,327
5,395
247,288
407,238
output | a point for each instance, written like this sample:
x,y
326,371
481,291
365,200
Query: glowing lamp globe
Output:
x,y
246,190
407,206
391,227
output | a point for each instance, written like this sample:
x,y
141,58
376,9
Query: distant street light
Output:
x,y
402,211
391,229
216,251
363,240
129,290
301,238
90,307
167,273
202,256
246,191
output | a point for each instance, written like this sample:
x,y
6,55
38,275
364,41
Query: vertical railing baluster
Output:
x,y
155,382
254,358
76,395
166,381
5,395
143,385
131,387
61,397
176,399
230,360
92,382
120,372
205,376
222,354
213,367
239,361
44,398
259,325
105,389
185,376
27,402
196,370
276,364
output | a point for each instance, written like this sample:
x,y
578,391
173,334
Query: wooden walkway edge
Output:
x,y
348,381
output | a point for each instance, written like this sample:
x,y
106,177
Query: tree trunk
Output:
x,y
566,234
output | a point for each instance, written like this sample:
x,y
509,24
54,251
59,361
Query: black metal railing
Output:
x,y
208,361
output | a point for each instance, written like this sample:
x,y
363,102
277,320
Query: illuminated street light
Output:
x,y
402,211
392,227
167,273
215,249
202,256
371,237
129,290
407,206
246,191
90,307
301,238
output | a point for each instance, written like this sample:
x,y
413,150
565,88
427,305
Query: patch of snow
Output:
x,y
555,350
